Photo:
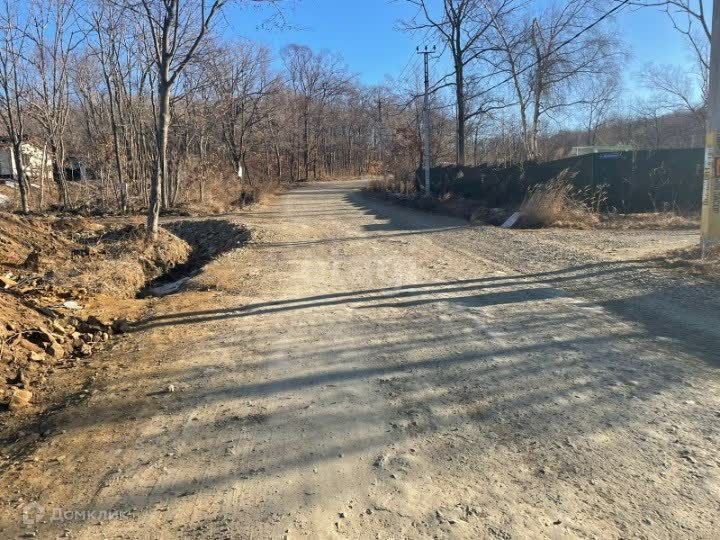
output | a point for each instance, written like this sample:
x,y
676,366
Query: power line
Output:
x,y
407,65
559,46
414,62
414,59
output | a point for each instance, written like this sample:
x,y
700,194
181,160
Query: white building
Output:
x,y
32,158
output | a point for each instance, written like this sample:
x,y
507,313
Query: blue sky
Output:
x,y
365,33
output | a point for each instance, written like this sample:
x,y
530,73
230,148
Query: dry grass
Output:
x,y
693,260
651,220
224,193
558,204
401,183
208,191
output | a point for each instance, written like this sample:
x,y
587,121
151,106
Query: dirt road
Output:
x,y
365,370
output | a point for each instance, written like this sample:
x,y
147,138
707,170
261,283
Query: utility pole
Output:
x,y
426,117
381,137
710,222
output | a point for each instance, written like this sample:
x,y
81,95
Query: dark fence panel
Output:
x,y
639,181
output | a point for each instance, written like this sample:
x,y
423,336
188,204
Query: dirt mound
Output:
x,y
208,240
84,254
20,236
119,262
65,284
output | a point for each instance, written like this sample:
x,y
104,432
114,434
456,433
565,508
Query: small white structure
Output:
x,y
600,149
32,158
511,221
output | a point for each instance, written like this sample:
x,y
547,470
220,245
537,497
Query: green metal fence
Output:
x,y
637,181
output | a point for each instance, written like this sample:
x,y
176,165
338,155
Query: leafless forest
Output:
x,y
163,110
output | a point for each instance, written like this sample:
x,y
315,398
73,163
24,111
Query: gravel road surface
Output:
x,y
362,370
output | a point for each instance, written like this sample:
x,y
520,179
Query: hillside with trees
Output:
x,y
161,110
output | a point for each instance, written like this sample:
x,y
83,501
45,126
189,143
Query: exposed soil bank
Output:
x,y
208,239
68,284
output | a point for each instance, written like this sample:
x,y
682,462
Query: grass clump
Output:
x,y
402,183
557,203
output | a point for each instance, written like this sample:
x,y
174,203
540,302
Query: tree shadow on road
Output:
x,y
682,313
399,218
555,371
559,363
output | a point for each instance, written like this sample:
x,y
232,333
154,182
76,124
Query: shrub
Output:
x,y
558,203
402,182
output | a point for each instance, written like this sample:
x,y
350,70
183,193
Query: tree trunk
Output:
x,y
534,148
246,169
538,90
460,96
43,175
306,145
59,173
121,182
267,161
278,161
20,177
161,167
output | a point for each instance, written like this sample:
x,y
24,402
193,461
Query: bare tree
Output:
x,y
690,19
546,56
650,116
600,95
108,30
242,82
680,85
174,29
315,79
14,88
462,27
674,89
150,105
54,35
